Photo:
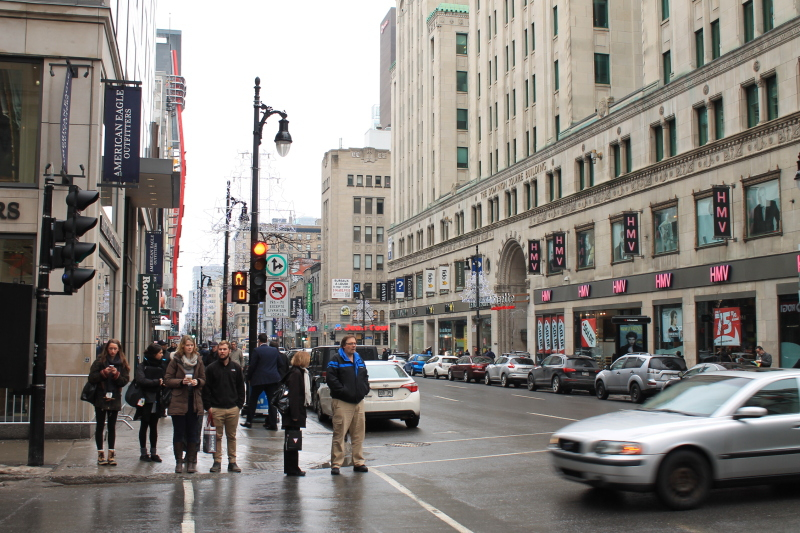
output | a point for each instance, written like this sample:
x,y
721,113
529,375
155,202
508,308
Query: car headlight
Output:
x,y
610,447
554,441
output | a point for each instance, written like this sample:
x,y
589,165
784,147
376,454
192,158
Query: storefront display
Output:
x,y
668,329
596,336
789,331
726,329
452,335
417,337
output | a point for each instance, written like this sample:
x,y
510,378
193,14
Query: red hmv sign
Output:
x,y
722,212
631,223
534,260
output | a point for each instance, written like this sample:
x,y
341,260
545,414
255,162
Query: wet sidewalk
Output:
x,y
75,461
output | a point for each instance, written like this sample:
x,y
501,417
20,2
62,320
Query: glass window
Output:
x,y
763,208
20,104
600,13
602,69
705,222
378,262
555,75
555,20
349,180
356,205
379,234
369,181
418,282
699,48
356,233
779,398
379,206
771,86
715,40
387,181
751,97
673,137
359,181
667,67
702,125
356,261
768,11
558,125
665,229
617,150
106,299
628,155
618,243
461,81
377,181
462,116
461,43
749,21
463,157
658,133
719,119
664,9
367,206
367,233
586,248
581,174
368,262
552,266
533,37
16,259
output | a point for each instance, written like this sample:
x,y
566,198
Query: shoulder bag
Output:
x,y
281,397
134,395
89,392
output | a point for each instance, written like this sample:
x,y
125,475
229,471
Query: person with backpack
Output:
x,y
150,380
110,372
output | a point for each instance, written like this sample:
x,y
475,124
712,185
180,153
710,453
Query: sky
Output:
x,y
318,60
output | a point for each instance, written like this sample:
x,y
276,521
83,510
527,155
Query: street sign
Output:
x,y
277,304
277,265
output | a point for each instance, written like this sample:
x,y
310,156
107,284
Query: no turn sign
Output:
x,y
277,304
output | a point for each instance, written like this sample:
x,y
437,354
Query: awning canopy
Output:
x,y
159,185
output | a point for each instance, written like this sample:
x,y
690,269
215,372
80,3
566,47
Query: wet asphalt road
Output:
x,y
476,463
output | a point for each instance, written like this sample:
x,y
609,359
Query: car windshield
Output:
x,y
582,362
523,361
449,359
701,395
399,358
667,363
480,360
385,372
423,357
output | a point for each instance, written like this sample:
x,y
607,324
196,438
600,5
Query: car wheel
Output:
x,y
450,375
411,423
600,391
556,384
424,375
531,383
435,374
504,381
636,393
684,479
486,379
466,377
321,416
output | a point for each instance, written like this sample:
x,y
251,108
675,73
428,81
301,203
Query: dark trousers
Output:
x,y
255,392
100,417
291,460
186,428
149,421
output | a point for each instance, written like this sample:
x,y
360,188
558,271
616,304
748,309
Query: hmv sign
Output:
x,y
559,250
534,258
722,212
720,273
630,222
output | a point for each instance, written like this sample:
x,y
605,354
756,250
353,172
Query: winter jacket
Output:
x,y
267,365
95,376
296,417
148,373
224,386
347,380
180,392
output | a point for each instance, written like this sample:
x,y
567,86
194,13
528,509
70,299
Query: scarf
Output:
x,y
356,358
307,384
189,364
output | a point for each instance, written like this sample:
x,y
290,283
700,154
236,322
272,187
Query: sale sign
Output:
x,y
562,344
588,336
727,327
554,326
547,335
540,334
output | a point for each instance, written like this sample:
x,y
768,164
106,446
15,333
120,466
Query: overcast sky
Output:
x,y
317,60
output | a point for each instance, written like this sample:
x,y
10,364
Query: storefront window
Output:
x,y
106,299
705,222
552,266
789,331
618,242
668,329
586,248
452,335
417,337
485,336
763,208
16,259
596,336
20,103
665,229
726,330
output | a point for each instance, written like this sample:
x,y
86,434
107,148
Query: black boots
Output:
x,y
191,458
178,456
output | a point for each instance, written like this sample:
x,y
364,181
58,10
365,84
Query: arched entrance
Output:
x,y
512,324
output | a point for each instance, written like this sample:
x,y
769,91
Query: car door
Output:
x,y
769,445
495,369
546,372
459,367
614,379
539,370
634,368
429,364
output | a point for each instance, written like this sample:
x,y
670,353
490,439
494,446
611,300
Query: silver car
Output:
x,y
639,375
509,368
714,429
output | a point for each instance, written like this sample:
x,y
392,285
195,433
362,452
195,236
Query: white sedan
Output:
x,y
393,395
437,366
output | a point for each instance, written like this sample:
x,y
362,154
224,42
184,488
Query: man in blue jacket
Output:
x,y
348,382
265,371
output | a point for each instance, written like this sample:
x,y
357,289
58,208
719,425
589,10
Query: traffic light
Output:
x,y
239,284
68,231
258,272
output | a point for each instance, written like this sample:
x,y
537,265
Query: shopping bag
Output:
x,y
209,437
294,440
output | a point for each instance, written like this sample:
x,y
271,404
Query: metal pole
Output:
x,y
38,393
363,319
477,300
225,265
200,296
254,208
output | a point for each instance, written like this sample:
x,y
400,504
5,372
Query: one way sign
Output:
x,y
277,265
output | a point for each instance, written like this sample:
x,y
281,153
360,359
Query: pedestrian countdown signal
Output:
x,y
239,284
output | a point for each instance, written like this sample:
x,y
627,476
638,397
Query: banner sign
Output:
x,y
122,118
293,305
148,292
476,263
400,288
444,278
630,222
66,104
534,258
559,250
309,299
554,334
722,212
727,327
390,286
562,340
154,260
539,334
409,286
547,335
430,281
588,335
383,291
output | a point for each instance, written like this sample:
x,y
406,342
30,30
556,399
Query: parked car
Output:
x,y
509,368
468,367
321,355
564,373
437,366
639,375
707,367
414,364
393,395
714,429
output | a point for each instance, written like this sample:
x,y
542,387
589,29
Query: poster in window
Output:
x,y
763,209
705,222
672,325
588,335
618,242
631,338
727,326
586,249
665,223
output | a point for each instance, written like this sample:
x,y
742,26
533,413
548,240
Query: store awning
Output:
x,y
159,185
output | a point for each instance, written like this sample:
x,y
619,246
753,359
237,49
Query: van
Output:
x,y
321,355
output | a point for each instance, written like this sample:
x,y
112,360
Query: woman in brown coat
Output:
x,y
110,372
186,375
297,381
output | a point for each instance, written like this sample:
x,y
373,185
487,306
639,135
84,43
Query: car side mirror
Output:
x,y
749,412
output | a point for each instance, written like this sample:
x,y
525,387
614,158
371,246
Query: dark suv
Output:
x,y
468,367
321,355
564,373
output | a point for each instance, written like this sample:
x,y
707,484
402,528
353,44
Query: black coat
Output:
x,y
347,380
148,373
267,365
296,417
100,402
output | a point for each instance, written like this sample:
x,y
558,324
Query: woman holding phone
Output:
x,y
186,375
150,378
110,372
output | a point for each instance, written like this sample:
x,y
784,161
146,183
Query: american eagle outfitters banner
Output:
x,y
122,120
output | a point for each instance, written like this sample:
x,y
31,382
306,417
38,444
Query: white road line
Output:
x,y
450,459
443,398
187,526
428,507
478,438
528,397
455,386
551,416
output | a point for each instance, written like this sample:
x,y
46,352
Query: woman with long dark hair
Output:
x,y
299,385
110,372
186,375
150,379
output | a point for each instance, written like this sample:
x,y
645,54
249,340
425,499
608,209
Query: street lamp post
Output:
x,y
283,141
474,261
230,203
203,278
363,317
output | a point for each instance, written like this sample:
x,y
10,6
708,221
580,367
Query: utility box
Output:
x,y
17,308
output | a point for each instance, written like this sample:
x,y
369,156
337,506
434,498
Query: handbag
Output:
x,y
134,395
209,437
294,440
166,397
89,392
281,399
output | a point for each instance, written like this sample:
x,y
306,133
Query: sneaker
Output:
x,y
334,471
233,467
155,458
216,467
360,468
247,425
298,473
144,457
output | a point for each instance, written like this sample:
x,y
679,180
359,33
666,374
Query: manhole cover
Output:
x,y
409,444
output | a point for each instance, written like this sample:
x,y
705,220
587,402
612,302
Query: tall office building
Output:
x,y
388,43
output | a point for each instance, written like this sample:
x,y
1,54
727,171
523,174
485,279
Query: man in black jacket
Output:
x,y
348,382
223,397
265,371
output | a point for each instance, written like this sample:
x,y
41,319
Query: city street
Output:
x,y
477,462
